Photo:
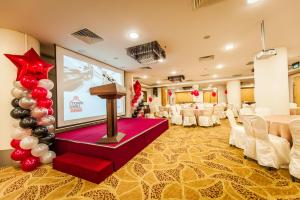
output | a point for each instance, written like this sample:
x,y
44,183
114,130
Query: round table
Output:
x,y
279,125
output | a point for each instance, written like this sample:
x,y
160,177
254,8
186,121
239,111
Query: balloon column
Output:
x,y
137,102
32,111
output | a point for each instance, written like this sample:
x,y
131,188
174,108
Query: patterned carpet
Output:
x,y
183,163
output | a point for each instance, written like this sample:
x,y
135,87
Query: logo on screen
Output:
x,y
75,104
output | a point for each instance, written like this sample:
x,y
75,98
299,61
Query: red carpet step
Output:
x,y
86,167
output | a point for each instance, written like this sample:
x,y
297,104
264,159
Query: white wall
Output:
x,y
234,93
271,82
222,97
11,42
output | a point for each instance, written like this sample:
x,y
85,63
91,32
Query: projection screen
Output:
x,y
75,75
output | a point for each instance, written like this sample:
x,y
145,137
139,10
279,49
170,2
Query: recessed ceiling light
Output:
x,y
133,35
252,1
173,72
145,77
215,76
220,66
161,60
229,46
158,82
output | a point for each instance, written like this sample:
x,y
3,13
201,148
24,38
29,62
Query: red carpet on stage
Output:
x,y
140,132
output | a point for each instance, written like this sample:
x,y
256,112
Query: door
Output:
x,y
297,90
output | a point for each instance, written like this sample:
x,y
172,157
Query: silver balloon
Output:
x,y
17,84
46,83
47,120
29,142
18,93
50,128
49,94
27,103
47,157
40,150
38,112
20,133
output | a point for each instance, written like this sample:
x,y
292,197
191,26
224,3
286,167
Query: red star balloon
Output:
x,y
30,64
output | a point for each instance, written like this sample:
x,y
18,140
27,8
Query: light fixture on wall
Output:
x,y
173,72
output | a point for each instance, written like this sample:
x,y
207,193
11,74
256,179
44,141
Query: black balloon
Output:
x,y
28,122
48,140
40,131
15,102
19,113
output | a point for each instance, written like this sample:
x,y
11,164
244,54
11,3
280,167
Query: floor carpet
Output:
x,y
183,163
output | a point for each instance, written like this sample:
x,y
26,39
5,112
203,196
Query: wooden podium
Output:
x,y
111,92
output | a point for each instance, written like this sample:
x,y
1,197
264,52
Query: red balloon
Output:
x,y
20,154
225,91
44,103
30,163
196,93
30,64
39,93
15,143
213,94
50,111
28,82
169,92
150,99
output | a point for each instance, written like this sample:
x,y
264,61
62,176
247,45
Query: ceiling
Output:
x,y
173,23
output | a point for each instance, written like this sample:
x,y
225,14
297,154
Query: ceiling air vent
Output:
x,y
187,88
250,63
147,67
87,36
178,78
236,75
206,58
200,3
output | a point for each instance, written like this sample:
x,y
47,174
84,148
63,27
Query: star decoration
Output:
x,y
30,64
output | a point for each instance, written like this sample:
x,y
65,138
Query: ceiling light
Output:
x,y
158,82
252,1
229,47
220,66
215,76
161,60
173,72
145,77
133,35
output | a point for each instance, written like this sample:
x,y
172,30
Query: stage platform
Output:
x,y
140,132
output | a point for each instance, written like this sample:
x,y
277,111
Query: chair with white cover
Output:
x,y
175,115
237,132
293,105
263,111
189,118
206,119
219,110
250,141
294,165
271,151
233,109
246,111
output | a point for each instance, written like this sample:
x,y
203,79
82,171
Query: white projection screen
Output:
x,y
75,75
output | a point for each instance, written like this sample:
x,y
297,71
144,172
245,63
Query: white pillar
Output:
x,y
128,79
234,93
221,94
12,42
271,82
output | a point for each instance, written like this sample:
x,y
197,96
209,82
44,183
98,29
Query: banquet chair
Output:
x,y
250,141
246,111
293,105
176,117
206,119
233,109
237,132
271,151
189,118
263,111
294,166
219,110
